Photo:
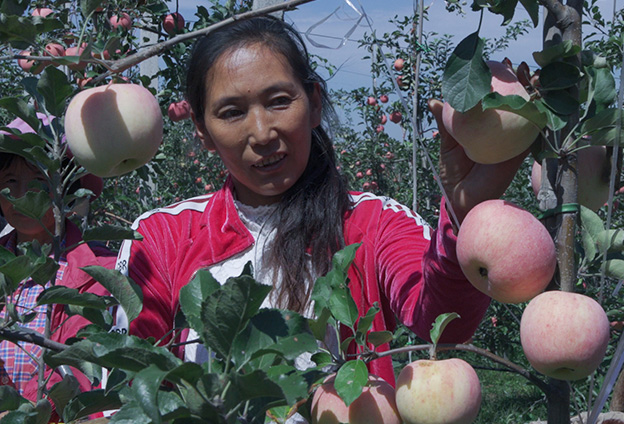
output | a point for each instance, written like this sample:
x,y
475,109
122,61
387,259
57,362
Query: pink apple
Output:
x,y
564,335
383,98
76,51
54,50
492,136
173,22
379,128
29,65
114,129
375,405
398,64
42,11
179,111
383,119
593,167
505,252
371,101
396,117
440,391
122,20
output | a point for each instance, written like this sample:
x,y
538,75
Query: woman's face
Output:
x,y
19,177
259,119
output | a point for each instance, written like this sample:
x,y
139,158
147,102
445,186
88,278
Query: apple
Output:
x,y
383,98
179,111
399,80
492,136
29,65
122,20
359,175
371,101
593,167
54,50
76,51
379,128
505,252
83,82
438,392
375,405
173,22
383,119
396,117
398,64
564,335
42,11
113,129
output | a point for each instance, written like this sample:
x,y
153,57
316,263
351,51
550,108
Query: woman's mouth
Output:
x,y
269,162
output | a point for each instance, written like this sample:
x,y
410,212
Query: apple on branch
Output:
x,y
564,335
505,252
376,404
492,136
114,129
432,391
173,22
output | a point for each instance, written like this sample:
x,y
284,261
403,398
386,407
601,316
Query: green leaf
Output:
x,y
293,385
343,306
467,78
145,386
605,120
322,359
18,31
130,413
14,7
612,239
614,268
64,391
554,121
255,384
532,7
440,324
70,296
20,109
87,7
505,8
377,338
16,271
365,323
226,312
10,399
556,52
517,105
350,380
193,295
558,76
89,403
108,232
602,86
560,102
55,89
33,204
122,288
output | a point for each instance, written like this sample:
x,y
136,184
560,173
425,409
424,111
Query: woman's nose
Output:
x,y
261,129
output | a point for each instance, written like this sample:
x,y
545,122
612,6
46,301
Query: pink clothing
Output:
x,y
65,327
404,265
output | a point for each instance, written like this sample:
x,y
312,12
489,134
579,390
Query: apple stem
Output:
x,y
433,352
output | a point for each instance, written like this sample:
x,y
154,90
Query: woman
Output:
x,y
258,103
19,363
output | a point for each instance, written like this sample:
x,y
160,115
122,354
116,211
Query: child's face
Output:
x,y
259,119
17,177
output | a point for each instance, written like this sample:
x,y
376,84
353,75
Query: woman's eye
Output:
x,y
230,114
281,101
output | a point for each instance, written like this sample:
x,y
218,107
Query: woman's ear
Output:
x,y
202,133
316,106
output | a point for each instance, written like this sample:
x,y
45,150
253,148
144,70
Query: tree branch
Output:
x,y
29,337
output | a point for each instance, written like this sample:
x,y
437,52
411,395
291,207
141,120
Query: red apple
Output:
x,y
173,22
122,20
396,117
42,11
359,174
375,404
398,64
114,129
505,252
440,391
369,172
379,128
179,111
492,136
564,335
383,98
383,119
371,101
593,167
399,80
54,50
29,65
76,51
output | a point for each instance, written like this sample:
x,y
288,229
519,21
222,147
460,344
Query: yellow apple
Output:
x,y
114,129
492,136
444,391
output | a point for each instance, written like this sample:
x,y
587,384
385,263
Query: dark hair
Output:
x,y
311,212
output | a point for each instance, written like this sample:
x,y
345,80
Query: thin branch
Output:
x,y
470,348
25,336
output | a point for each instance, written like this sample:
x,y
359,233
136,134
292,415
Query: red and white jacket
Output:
x,y
407,267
